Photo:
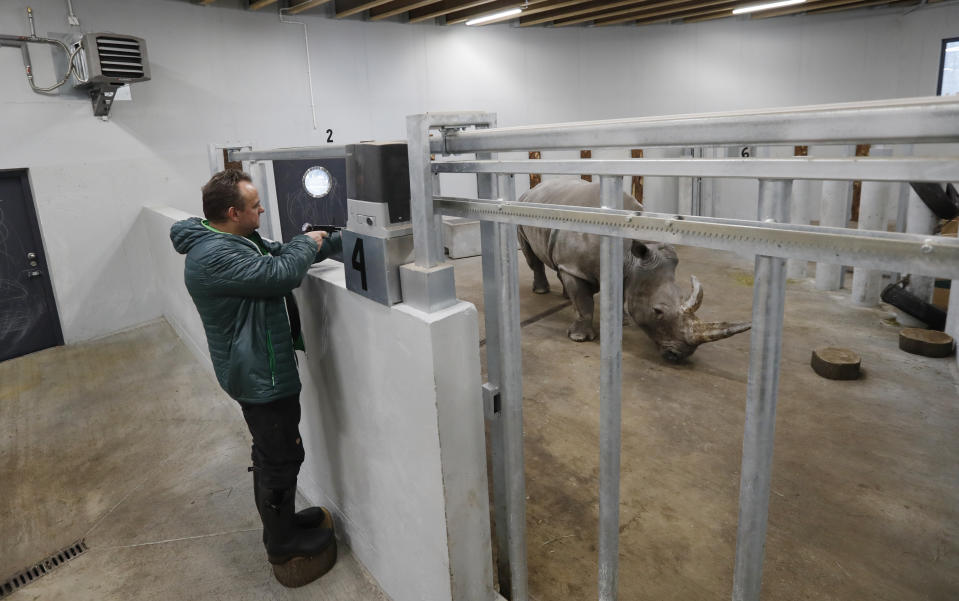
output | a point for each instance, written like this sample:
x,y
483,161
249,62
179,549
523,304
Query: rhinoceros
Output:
x,y
651,297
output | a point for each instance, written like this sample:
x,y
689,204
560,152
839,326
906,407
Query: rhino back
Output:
x,y
573,252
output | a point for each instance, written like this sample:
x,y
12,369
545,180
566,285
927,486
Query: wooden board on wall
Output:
x,y
636,188
862,150
535,178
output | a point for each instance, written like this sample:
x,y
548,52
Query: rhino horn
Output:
x,y
695,297
703,331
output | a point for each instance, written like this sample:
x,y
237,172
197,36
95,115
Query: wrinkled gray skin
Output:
x,y
651,297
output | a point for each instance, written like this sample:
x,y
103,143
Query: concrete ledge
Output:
x,y
394,434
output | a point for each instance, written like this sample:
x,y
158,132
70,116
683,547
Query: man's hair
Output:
x,y
223,192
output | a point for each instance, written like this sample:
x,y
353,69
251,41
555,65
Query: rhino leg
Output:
x,y
581,294
540,283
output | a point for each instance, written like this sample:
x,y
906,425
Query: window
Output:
x,y
949,68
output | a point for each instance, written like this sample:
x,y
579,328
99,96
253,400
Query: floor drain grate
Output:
x,y
44,567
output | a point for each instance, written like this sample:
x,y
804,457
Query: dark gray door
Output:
x,y
28,313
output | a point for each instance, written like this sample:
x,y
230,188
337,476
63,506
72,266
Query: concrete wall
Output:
x,y
225,75
392,424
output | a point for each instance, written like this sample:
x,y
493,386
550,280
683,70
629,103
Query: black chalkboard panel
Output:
x,y
297,206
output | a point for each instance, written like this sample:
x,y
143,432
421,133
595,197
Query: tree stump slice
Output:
x,y
836,363
928,343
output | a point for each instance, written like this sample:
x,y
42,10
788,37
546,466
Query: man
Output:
x,y
242,287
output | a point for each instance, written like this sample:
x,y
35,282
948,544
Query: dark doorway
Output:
x,y
28,312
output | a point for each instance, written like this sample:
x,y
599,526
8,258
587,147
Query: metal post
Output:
x,y
610,393
833,212
486,188
503,300
920,220
427,226
769,292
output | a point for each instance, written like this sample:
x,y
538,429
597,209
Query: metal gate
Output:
x,y
769,237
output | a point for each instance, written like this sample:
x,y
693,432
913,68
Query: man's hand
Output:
x,y
317,236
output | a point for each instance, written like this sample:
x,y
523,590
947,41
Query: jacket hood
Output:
x,y
188,233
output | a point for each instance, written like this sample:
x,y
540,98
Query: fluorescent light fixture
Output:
x,y
754,7
497,16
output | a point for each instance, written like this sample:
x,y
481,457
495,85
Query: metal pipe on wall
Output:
x,y
610,393
769,293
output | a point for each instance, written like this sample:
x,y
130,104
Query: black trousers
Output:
x,y
277,447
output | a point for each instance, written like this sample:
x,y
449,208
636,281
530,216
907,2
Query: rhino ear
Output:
x,y
639,250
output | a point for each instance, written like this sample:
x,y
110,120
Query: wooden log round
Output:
x,y
928,343
836,363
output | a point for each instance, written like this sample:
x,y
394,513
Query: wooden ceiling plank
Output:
x,y
632,10
349,8
666,14
462,16
447,6
721,13
800,8
547,11
258,4
305,5
396,7
582,9
866,5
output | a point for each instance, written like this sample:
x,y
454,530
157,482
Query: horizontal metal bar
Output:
x,y
282,154
889,251
902,121
885,169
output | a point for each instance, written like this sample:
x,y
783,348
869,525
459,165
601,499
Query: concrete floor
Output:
x,y
865,501
128,443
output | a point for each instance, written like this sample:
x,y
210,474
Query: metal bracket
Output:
x,y
491,400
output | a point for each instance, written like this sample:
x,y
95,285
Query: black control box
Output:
x,y
380,172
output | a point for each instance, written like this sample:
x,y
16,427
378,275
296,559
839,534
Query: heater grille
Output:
x,y
120,58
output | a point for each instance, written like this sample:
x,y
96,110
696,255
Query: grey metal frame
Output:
x,y
770,238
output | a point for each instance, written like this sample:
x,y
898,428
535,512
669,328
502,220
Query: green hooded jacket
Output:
x,y
239,286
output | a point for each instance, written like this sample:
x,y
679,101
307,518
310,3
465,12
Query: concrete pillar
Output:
x,y
834,212
867,283
684,192
920,220
952,316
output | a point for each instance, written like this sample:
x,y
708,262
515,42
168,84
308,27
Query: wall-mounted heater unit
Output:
x,y
108,61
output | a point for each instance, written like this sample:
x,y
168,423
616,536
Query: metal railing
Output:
x,y
920,120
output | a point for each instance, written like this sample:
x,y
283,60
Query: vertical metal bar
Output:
x,y
769,293
486,188
427,226
610,393
511,392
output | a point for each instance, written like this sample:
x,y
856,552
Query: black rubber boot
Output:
x,y
312,517
298,556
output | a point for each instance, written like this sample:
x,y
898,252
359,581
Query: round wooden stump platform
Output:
x,y
928,343
836,363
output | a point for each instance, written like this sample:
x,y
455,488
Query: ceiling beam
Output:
x,y
305,5
631,10
693,9
547,11
347,8
554,12
718,13
396,7
258,4
663,9
442,8
461,16
889,3
801,8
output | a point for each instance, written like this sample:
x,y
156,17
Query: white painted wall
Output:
x,y
222,74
